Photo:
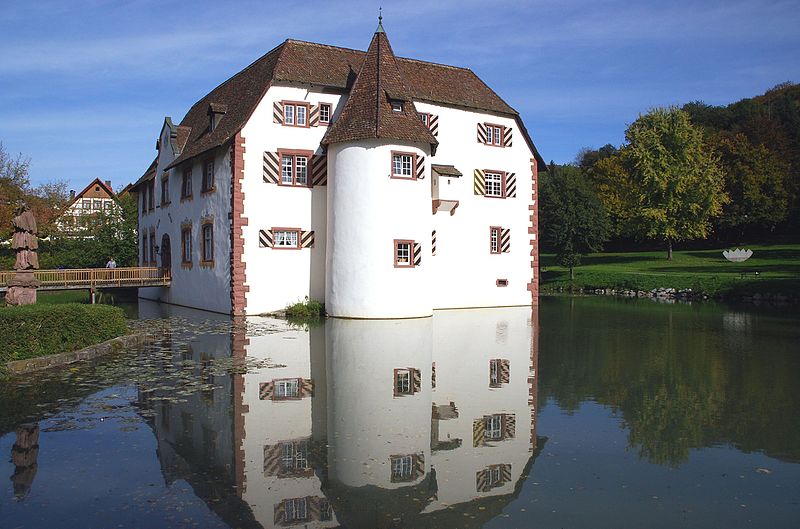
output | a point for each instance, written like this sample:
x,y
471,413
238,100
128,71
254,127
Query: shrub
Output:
x,y
307,311
39,330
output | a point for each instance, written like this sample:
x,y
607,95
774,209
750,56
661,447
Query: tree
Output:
x,y
675,178
755,180
573,219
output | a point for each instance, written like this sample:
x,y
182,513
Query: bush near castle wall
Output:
x,y
37,330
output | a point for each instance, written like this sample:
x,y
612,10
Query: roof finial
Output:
x,y
380,21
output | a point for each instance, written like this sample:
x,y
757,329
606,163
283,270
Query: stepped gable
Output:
x,y
368,112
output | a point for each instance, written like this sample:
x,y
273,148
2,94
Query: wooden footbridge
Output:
x,y
94,278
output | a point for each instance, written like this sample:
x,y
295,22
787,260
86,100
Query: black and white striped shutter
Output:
x,y
480,182
273,459
509,425
417,254
505,472
508,136
416,380
271,167
481,133
313,118
505,371
433,242
307,239
511,185
277,112
306,387
419,465
319,170
482,481
479,432
280,513
420,167
505,240
265,390
433,124
265,239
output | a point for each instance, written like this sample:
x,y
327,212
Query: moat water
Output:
x,y
585,412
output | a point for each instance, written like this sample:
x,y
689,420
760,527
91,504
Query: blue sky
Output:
x,y
85,85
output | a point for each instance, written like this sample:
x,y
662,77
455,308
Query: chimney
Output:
x,y
108,184
72,194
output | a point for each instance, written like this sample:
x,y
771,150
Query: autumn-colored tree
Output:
x,y
676,184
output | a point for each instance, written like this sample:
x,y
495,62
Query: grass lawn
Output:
x,y
705,271
57,297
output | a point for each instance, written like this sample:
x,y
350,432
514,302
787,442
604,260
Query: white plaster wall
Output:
x,y
367,211
367,424
480,335
201,287
463,272
278,278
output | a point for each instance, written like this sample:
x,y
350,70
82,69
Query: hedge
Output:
x,y
38,330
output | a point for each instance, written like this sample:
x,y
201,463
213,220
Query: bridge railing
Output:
x,y
97,277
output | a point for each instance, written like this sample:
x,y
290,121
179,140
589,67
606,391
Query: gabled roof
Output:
x,y
95,182
330,68
368,112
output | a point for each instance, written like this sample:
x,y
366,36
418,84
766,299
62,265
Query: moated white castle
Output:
x,y
384,187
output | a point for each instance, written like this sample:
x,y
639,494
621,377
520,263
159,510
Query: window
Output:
x,y
144,198
294,456
294,168
186,245
426,118
494,134
164,190
494,184
286,238
494,427
324,113
287,389
501,282
186,183
151,195
153,249
494,373
397,106
144,250
295,114
208,242
494,476
402,467
295,510
402,382
494,239
107,204
86,203
402,254
208,176
403,165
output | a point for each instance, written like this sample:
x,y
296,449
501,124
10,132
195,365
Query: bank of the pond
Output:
x,y
772,274
41,330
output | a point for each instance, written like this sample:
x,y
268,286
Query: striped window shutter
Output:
x,y
416,380
505,371
505,240
505,473
481,133
277,112
508,136
306,387
480,182
319,170
417,254
273,455
509,425
313,118
419,465
271,167
307,239
511,185
433,375
482,481
265,239
433,124
280,514
265,390
478,432
433,242
420,167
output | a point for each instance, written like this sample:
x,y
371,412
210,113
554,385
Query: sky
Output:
x,y
85,84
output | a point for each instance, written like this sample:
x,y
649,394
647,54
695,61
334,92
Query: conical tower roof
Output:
x,y
368,113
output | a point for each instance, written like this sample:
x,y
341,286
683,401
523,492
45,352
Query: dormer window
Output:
x,y
397,106
215,113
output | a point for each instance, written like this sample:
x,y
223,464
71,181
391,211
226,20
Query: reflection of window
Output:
x,y
294,456
295,510
402,381
494,372
494,427
494,476
402,467
287,388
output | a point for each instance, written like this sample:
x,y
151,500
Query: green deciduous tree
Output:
x,y
676,182
573,219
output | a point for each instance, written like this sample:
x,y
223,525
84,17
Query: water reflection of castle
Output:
x,y
380,423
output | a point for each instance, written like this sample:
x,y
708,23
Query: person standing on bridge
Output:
x,y
111,263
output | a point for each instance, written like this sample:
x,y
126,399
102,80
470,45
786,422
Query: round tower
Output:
x,y
379,203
